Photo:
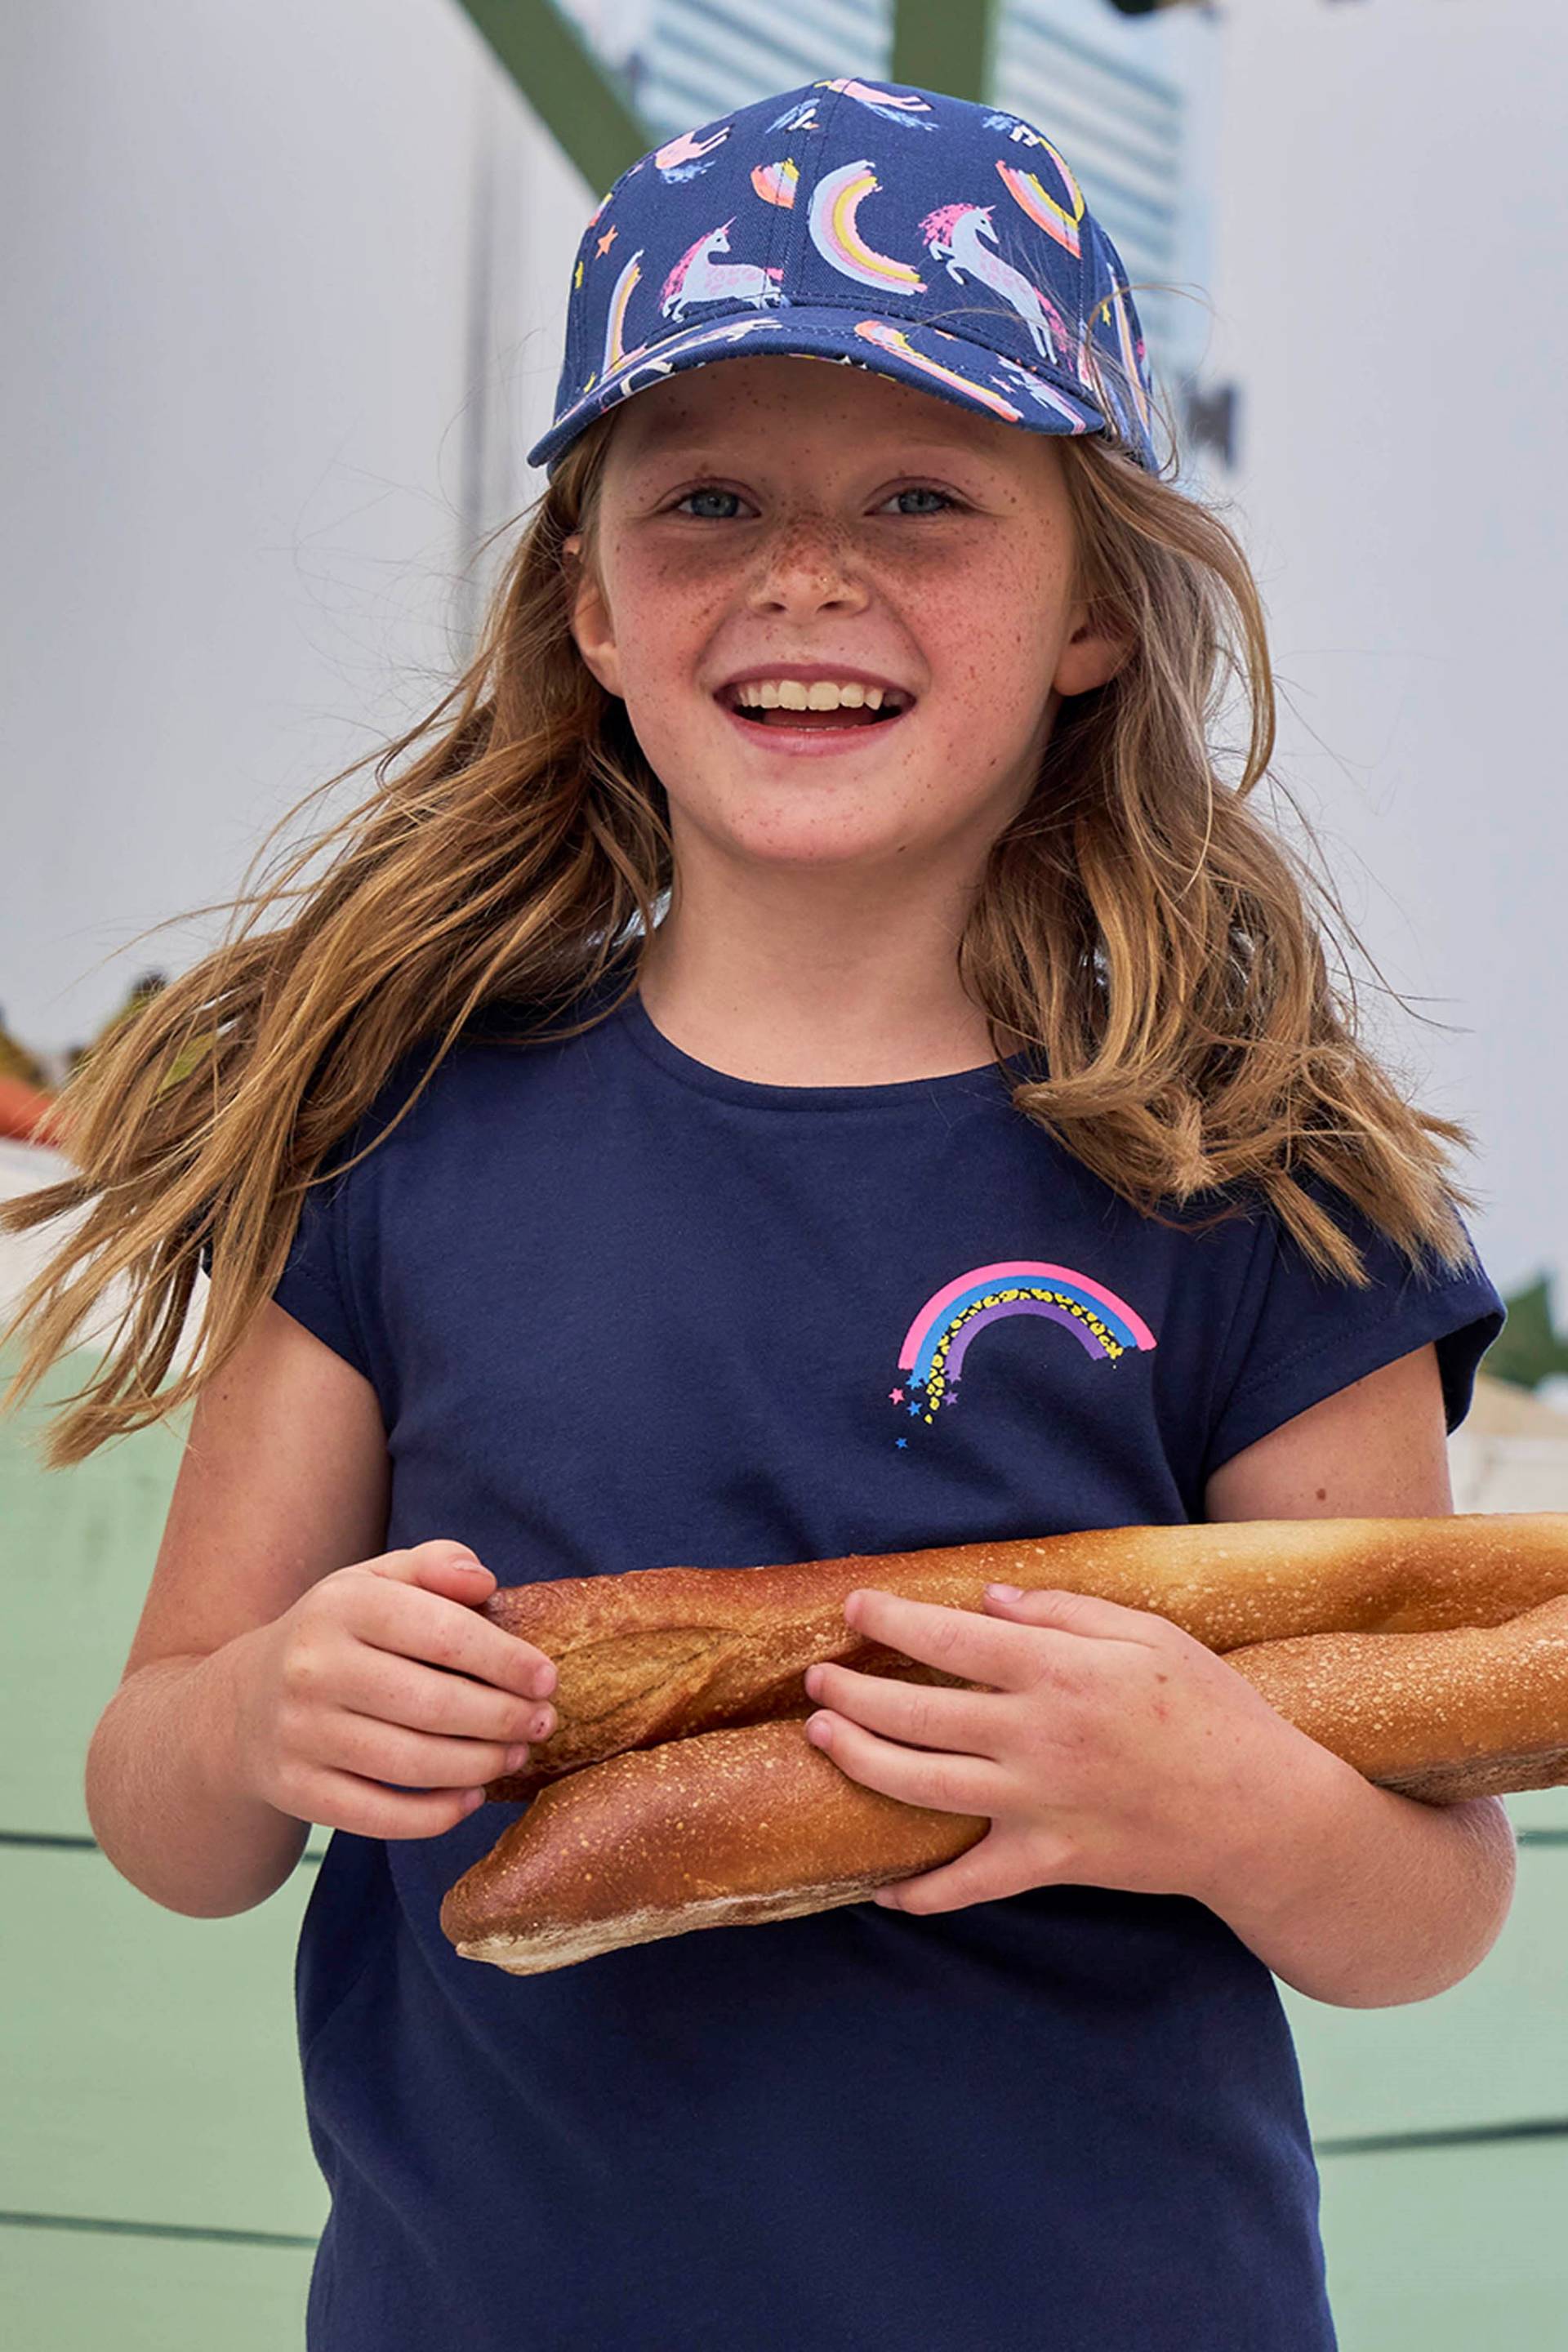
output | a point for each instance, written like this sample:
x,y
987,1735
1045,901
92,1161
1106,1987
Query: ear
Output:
x,y
1092,654
588,617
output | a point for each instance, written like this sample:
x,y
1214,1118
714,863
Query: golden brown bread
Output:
x,y
728,1829
1480,1711
750,1822
734,1828
658,1654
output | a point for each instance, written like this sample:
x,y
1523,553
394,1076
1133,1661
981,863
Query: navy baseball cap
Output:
x,y
929,238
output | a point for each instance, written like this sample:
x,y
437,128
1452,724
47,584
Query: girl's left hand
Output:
x,y
1110,1747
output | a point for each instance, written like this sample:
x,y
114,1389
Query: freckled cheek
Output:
x,y
665,618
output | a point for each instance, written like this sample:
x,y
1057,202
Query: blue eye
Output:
x,y
922,490
712,490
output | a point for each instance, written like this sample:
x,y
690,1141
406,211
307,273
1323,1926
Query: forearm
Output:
x,y
164,1799
1367,1899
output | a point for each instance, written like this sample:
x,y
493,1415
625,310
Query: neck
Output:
x,y
874,1012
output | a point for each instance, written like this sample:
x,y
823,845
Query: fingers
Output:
x,y
341,1801
399,1690
962,1722
394,1613
386,1751
948,1784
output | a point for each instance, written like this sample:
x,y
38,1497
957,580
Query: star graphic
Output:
x,y
606,241
901,1443
914,1407
895,1396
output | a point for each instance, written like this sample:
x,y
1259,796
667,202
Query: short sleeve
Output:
x,y
1297,1335
316,1286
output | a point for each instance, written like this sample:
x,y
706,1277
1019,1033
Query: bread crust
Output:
x,y
725,1829
682,1793
658,1654
1478,1711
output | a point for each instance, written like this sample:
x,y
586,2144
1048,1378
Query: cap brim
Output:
x,y
931,360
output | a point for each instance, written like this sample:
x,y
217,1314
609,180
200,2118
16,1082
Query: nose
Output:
x,y
804,566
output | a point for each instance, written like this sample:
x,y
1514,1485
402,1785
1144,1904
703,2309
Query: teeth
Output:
x,y
794,694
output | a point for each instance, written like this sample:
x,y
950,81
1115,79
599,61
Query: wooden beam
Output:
x,y
585,105
945,45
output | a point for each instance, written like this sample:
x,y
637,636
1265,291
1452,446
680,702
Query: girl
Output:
x,y
676,1127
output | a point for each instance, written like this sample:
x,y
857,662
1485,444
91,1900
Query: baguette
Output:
x,y
735,1828
727,1829
658,1654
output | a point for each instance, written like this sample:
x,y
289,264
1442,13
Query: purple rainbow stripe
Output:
x,y
939,1313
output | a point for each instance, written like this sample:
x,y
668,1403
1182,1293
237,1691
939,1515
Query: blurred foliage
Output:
x,y
16,1062
1529,1349
147,985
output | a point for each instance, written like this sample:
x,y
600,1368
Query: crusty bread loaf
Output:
x,y
1480,1711
1446,1677
727,1829
658,1654
735,1828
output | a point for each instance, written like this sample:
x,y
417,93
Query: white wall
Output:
x,y
236,432
237,444
1390,287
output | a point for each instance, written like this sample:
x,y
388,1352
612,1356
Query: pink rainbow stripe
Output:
x,y
1015,1270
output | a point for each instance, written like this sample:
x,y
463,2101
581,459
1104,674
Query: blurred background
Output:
x,y
284,287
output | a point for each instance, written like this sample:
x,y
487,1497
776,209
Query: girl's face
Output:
x,y
767,514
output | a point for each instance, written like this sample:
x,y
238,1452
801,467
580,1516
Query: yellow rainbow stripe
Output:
x,y
613,350
776,182
1042,206
835,233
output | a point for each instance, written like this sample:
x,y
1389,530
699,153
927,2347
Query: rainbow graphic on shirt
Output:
x,y
938,1339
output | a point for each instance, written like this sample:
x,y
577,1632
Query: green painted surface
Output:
x,y
77,1551
67,2292
584,106
938,46
150,2075
1493,2050
1449,2250
149,2059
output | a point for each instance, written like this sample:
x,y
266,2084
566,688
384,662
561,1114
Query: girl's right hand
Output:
x,y
382,1673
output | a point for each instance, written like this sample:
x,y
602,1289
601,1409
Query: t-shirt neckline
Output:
x,y
896,1094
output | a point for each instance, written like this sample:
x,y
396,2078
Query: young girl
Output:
x,y
675,1128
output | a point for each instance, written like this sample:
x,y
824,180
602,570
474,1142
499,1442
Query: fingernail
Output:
x,y
542,1682
473,1567
516,1758
1006,1591
475,1798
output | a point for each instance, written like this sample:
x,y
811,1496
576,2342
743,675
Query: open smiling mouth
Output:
x,y
846,716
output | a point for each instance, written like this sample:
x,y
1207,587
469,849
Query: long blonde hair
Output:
x,y
1136,920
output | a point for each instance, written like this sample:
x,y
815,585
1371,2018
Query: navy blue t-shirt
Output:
x,y
622,1310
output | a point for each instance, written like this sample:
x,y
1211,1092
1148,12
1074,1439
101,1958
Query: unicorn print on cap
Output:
x,y
939,1338
684,158
994,284
697,277
892,105
952,234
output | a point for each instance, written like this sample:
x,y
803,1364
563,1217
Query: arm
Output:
x,y
283,1479
164,1799
1359,1897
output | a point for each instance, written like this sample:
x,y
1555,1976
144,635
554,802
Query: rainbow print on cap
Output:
x,y
959,227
